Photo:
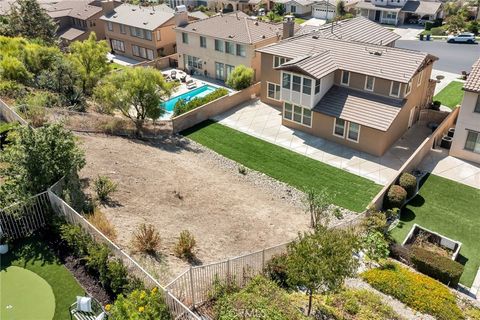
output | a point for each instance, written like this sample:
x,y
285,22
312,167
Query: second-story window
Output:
x,y
229,47
148,35
296,83
277,61
408,88
369,83
420,78
345,78
307,86
241,50
286,81
218,45
110,26
317,86
123,29
184,37
395,89
477,105
203,42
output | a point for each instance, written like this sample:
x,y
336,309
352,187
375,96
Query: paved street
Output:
x,y
454,58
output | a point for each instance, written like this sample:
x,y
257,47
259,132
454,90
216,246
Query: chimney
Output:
x,y
181,16
288,26
108,6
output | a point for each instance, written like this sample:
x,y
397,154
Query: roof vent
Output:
x,y
256,22
115,16
194,29
152,13
263,37
145,23
134,9
315,37
231,36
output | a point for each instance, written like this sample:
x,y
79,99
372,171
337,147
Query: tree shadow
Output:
x,y
194,261
28,251
461,259
417,201
407,215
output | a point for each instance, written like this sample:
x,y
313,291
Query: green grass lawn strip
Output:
x,y
451,95
451,209
346,190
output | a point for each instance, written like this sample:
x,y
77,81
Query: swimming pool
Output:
x,y
195,93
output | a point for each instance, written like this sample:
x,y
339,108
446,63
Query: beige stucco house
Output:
x,y
349,89
215,46
466,140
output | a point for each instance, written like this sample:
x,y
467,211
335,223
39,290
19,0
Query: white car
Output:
x,y
462,37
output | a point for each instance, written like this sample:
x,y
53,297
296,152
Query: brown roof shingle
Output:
x,y
237,27
473,81
360,107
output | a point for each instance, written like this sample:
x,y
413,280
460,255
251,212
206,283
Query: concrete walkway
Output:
x,y
263,121
441,164
448,77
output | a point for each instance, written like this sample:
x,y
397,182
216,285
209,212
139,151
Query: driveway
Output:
x,y
453,58
263,121
408,32
314,22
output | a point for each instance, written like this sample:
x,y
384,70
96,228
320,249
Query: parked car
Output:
x,y
462,37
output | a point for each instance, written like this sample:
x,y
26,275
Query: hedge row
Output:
x,y
417,291
183,106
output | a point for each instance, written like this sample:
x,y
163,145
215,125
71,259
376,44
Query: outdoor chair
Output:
x,y
87,308
191,84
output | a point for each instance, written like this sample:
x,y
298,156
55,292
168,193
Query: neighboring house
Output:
x,y
466,140
141,33
299,8
349,90
325,9
397,12
214,46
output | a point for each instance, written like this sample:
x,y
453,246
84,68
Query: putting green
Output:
x,y
25,295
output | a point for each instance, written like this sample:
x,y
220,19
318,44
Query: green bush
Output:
x,y
41,99
276,270
182,106
74,237
185,245
12,89
417,291
408,182
11,68
473,27
438,31
117,276
240,78
140,305
428,25
396,197
436,266
104,186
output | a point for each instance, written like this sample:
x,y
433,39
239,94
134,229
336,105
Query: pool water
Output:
x,y
195,93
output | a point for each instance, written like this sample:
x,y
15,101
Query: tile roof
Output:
x,y
71,33
371,6
473,81
81,9
198,15
236,26
300,2
422,7
322,55
364,108
148,18
358,29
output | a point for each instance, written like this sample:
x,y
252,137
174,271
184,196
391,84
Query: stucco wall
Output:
x,y
467,119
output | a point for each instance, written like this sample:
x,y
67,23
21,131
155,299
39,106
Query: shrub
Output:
x,y
242,170
400,253
428,25
74,237
146,239
41,99
104,187
438,31
96,261
473,27
100,221
141,305
117,277
12,89
408,182
35,115
417,291
182,106
396,197
276,270
436,266
185,245
374,221
240,78
11,68
375,246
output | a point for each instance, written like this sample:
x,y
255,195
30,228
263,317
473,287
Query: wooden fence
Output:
x,y
22,219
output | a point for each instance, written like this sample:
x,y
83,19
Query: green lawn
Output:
x,y
346,190
32,254
299,20
451,95
451,209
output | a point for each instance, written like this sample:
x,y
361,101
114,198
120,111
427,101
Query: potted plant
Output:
x,y
3,243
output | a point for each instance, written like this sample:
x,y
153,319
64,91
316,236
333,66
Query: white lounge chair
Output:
x,y
191,84
84,310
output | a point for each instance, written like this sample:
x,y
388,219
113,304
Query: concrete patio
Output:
x,y
263,121
441,164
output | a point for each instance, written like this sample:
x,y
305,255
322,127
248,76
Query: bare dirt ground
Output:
x,y
228,214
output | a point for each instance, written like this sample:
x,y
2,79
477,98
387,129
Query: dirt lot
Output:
x,y
228,214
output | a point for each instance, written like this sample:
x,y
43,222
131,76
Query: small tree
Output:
x,y
27,19
317,204
321,261
185,245
241,77
279,8
90,59
146,239
104,187
341,8
456,23
137,93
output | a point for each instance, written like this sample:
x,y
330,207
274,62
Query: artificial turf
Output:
x,y
451,209
345,189
34,255
451,95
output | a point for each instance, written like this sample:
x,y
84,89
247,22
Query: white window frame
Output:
x,y
477,142
275,91
221,45
123,29
110,26
159,35
366,82
348,132
341,78
408,88
118,45
399,89
420,78
240,50
344,128
476,109
278,61
301,116
185,37
205,41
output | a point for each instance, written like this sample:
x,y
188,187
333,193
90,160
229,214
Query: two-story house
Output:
x,y
215,46
362,95
141,33
466,140
397,12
